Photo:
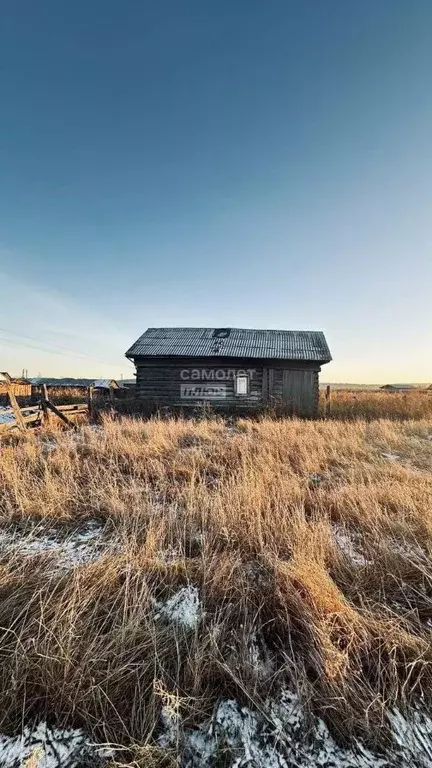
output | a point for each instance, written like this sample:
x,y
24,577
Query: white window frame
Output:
x,y
241,382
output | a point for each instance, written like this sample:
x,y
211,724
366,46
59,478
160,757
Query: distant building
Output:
x,y
127,383
230,367
84,383
105,384
398,387
19,387
64,382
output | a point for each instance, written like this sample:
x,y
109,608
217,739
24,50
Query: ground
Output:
x,y
214,593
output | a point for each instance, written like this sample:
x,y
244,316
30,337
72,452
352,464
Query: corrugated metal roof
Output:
x,y
232,342
398,386
105,384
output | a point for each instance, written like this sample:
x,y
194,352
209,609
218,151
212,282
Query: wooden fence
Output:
x,y
39,415
21,389
14,417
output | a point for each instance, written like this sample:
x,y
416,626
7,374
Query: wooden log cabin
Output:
x,y
230,368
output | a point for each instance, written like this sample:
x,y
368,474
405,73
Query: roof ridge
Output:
x,y
230,327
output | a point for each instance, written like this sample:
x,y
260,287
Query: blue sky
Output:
x,y
216,163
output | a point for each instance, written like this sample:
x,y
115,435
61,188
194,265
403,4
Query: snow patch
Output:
x,y
349,546
282,735
79,546
413,736
51,748
6,415
170,723
404,548
182,608
390,456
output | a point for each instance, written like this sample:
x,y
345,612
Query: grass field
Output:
x,y
374,405
202,593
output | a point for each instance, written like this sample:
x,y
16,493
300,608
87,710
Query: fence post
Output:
x,y
90,401
13,401
61,415
44,401
328,401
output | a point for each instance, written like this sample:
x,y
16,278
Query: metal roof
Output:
x,y
398,386
232,342
105,384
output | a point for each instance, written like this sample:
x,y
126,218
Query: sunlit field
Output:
x,y
374,405
221,593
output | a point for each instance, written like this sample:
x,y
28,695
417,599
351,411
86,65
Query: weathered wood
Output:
x,y
271,386
28,419
265,385
90,401
170,381
328,401
60,415
13,401
20,388
44,402
71,407
29,408
298,391
32,414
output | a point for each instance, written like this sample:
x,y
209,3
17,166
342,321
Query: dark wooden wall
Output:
x,y
188,381
297,389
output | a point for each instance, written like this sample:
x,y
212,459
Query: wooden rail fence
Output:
x,y
39,414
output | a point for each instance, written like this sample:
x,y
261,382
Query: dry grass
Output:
x,y
61,395
251,514
380,405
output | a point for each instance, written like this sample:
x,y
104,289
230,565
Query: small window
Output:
x,y
241,384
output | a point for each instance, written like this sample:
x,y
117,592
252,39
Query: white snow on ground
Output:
x,y
51,748
348,545
182,608
279,737
6,415
171,728
390,456
414,737
282,735
403,547
80,545
349,542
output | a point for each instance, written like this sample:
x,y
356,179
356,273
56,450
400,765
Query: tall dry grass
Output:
x,y
379,405
251,514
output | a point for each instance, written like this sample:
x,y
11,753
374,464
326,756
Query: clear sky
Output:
x,y
244,163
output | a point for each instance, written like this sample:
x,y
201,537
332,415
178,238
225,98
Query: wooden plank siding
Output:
x,y
169,381
20,389
162,381
294,388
